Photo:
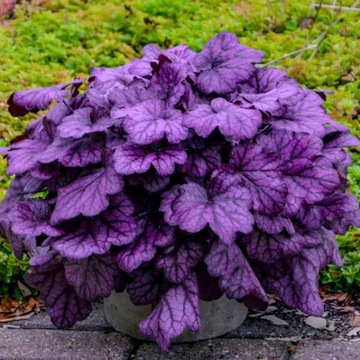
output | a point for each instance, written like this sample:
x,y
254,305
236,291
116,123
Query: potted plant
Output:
x,y
177,177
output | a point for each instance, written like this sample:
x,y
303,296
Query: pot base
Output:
x,y
218,317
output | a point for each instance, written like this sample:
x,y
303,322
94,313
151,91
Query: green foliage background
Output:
x,y
51,41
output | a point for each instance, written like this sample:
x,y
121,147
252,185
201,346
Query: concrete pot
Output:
x,y
218,317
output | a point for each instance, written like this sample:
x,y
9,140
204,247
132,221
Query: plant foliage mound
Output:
x,y
179,176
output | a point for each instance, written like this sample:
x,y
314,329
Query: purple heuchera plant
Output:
x,y
179,176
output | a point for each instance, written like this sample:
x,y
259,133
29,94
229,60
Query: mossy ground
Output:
x,y
51,41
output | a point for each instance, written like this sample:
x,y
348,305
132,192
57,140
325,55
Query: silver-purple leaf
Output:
x,y
201,161
22,156
32,217
147,286
257,171
295,279
93,277
223,63
265,90
274,224
84,121
168,83
22,102
308,182
131,159
88,196
115,226
237,278
191,208
306,114
144,247
177,310
62,303
177,260
151,120
269,248
233,121
74,152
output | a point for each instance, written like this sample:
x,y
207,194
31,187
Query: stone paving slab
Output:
x,y
327,350
63,344
96,321
216,349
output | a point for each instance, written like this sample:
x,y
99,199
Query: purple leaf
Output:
x,y
177,310
144,247
334,141
268,90
74,152
140,251
232,120
237,278
308,183
257,171
191,208
147,286
264,80
150,121
223,63
62,303
104,79
306,114
332,210
269,248
274,224
295,279
130,159
168,83
127,98
179,54
177,260
58,112
15,240
151,180
22,156
88,196
32,217
290,146
202,161
84,121
115,226
93,277
22,102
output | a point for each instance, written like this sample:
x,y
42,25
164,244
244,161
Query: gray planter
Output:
x,y
218,317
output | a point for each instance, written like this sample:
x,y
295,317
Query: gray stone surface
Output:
x,y
257,328
59,344
216,349
95,322
327,350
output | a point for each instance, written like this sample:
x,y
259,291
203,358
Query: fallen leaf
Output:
x,y
24,289
12,310
16,318
343,297
346,309
354,319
